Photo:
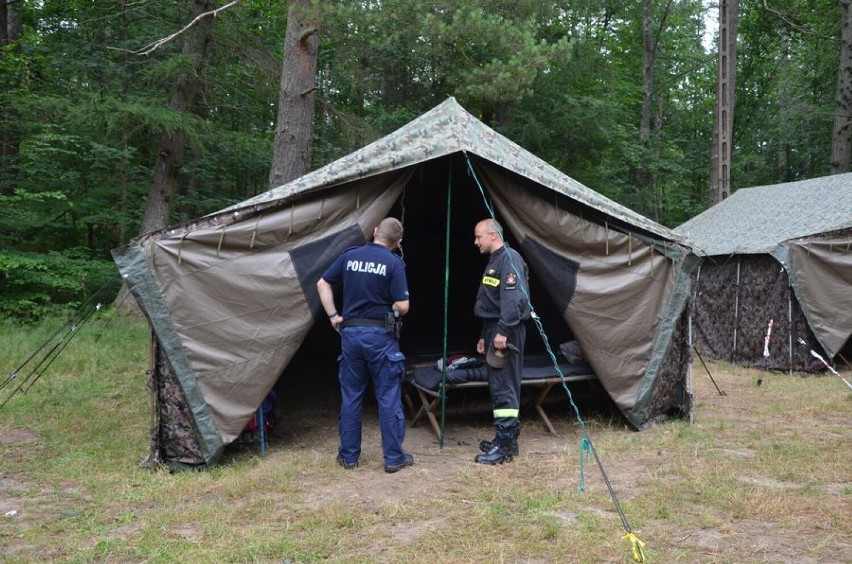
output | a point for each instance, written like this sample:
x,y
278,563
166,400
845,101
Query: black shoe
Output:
x,y
492,458
500,452
346,465
406,462
485,446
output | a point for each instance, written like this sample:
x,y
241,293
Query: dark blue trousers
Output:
x,y
371,354
505,383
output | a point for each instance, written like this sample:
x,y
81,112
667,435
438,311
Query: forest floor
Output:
x,y
762,474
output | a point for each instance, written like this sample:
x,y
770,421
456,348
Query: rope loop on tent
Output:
x,y
586,438
775,296
221,239
254,232
180,247
629,249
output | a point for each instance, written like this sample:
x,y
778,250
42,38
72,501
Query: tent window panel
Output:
x,y
312,259
557,273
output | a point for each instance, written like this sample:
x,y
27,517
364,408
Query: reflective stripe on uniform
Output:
x,y
506,412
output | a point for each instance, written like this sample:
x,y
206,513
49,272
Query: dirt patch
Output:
x,y
441,470
16,436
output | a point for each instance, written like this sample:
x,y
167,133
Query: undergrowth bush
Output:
x,y
36,285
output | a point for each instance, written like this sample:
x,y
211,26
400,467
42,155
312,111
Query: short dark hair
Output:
x,y
390,230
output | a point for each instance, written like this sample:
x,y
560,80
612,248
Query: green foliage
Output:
x,y
31,285
785,91
83,115
88,116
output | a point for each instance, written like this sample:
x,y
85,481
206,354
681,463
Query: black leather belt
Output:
x,y
363,322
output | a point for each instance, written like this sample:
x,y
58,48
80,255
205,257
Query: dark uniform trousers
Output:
x,y
371,352
505,383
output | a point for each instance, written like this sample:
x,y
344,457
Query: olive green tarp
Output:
x,y
231,296
783,253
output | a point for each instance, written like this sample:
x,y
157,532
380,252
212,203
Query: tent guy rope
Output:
x,y
819,357
37,363
637,545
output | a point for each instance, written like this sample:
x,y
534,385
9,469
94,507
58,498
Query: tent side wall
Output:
x,y
820,271
735,298
230,305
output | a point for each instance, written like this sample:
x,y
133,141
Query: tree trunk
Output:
x,y
720,163
646,200
158,211
640,175
841,148
294,124
170,151
784,109
11,21
11,25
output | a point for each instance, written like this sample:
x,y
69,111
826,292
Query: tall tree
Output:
x,y
787,63
294,125
650,43
170,150
11,25
720,165
841,138
187,85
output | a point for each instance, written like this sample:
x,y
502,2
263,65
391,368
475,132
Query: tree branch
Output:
x,y
786,19
151,47
307,33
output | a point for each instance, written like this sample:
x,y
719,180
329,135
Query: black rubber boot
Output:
x,y
485,446
500,452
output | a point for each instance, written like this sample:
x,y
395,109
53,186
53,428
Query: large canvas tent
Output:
x,y
780,253
231,297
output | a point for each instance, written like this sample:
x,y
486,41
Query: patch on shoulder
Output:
x,y
511,281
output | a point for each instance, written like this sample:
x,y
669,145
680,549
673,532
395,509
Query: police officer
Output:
x,y
502,303
375,293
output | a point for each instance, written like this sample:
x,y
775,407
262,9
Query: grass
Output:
x,y
762,475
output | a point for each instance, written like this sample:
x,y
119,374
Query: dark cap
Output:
x,y
500,358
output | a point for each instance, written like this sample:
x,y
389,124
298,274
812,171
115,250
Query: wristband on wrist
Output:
x,y
333,315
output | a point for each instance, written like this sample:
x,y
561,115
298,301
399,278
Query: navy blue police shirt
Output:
x,y
373,278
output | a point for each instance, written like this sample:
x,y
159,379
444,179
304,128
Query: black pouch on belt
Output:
x,y
393,323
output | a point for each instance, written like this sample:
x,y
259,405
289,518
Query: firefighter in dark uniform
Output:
x,y
502,303
375,296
